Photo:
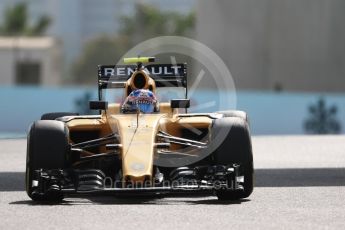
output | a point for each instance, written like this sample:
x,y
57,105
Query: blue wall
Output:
x,y
269,112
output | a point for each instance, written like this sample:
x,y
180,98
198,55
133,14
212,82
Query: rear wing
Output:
x,y
164,75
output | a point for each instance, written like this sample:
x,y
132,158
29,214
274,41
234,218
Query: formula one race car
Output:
x,y
140,145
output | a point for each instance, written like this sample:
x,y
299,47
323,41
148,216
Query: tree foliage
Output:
x,y
16,22
147,22
322,119
103,50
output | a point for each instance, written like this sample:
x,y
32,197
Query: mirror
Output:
x,y
98,105
180,103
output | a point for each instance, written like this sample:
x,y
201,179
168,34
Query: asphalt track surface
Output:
x,y
300,184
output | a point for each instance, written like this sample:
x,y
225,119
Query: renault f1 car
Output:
x,y
165,151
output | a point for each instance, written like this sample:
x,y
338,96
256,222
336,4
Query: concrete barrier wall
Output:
x,y
290,44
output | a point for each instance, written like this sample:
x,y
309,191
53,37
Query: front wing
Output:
x,y
201,179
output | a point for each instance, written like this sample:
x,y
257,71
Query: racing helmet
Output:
x,y
143,100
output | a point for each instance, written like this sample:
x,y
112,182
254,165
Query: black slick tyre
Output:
x,y
235,113
53,116
47,146
236,148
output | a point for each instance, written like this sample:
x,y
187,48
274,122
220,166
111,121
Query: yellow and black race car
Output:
x,y
142,144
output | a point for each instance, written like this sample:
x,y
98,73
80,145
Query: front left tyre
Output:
x,y
47,146
234,148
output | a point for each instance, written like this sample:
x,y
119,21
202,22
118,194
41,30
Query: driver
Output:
x,y
140,99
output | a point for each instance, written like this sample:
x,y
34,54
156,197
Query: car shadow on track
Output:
x,y
106,200
301,177
165,200
15,181
12,181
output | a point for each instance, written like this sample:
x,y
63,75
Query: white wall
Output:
x,y
43,50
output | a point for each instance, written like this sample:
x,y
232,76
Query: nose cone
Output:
x,y
138,145
138,182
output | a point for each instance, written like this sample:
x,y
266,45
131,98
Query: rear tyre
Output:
x,y
235,113
53,116
47,145
236,148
